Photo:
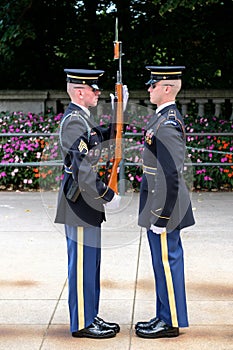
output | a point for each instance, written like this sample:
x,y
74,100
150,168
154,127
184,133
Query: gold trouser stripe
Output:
x,y
80,247
168,276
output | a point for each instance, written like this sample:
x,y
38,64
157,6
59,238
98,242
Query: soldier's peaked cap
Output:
x,y
164,73
83,76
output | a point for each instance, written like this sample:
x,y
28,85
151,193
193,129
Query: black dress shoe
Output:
x,y
107,325
94,331
147,324
159,330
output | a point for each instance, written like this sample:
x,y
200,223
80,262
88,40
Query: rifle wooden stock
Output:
x,y
118,122
113,179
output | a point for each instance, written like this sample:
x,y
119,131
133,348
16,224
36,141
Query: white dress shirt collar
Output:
x,y
164,105
86,110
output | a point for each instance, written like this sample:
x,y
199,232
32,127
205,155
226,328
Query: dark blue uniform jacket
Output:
x,y
164,197
82,141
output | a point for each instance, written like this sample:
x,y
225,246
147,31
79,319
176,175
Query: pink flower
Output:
x,y
131,177
207,178
138,178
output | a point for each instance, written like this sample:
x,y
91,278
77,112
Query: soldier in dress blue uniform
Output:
x,y
81,202
165,206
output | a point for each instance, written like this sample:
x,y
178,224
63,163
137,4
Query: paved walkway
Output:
x,y
33,272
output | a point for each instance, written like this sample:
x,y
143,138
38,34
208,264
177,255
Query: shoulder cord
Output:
x,y
182,127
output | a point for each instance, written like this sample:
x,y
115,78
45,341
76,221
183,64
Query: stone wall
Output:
x,y
215,102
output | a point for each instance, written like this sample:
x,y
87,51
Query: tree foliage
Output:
x,y
39,38
171,5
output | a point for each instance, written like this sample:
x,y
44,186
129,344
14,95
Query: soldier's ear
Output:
x,y
168,89
79,92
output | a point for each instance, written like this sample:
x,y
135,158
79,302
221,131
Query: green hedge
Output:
x,y
40,149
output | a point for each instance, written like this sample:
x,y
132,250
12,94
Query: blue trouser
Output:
x,y
84,255
168,265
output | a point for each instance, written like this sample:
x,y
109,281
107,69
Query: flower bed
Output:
x,y
211,148
31,149
39,149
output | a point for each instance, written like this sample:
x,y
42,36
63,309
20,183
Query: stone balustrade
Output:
x,y
200,102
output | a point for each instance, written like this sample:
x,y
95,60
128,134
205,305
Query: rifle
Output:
x,y
118,115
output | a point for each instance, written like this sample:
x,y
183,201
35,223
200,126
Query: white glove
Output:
x,y
125,96
115,202
112,101
157,230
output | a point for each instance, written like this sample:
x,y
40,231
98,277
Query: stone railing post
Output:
x,y
201,106
184,105
217,102
231,101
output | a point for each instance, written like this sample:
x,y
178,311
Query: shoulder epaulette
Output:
x,y
172,120
74,114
